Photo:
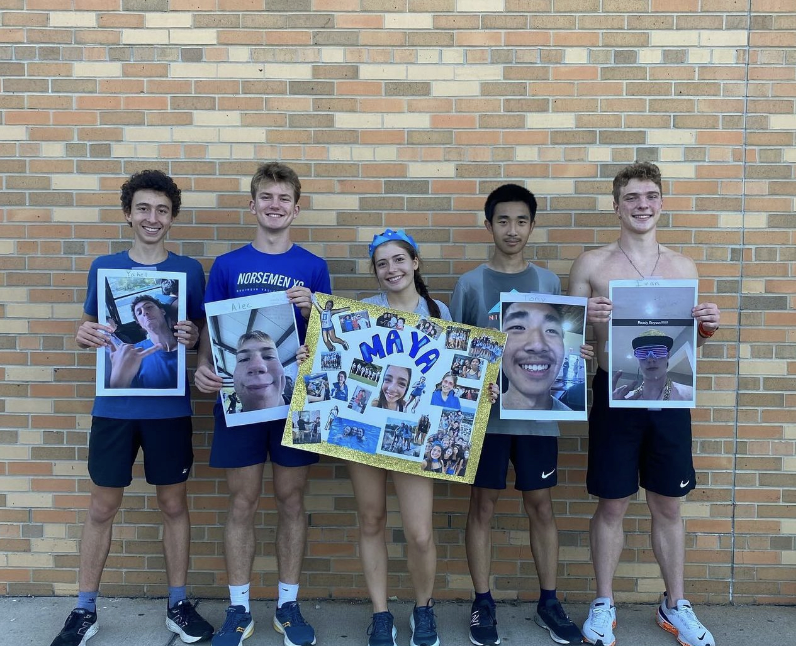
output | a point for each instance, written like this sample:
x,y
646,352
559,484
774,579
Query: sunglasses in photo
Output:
x,y
651,352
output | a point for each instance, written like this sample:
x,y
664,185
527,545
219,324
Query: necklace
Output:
x,y
665,395
652,273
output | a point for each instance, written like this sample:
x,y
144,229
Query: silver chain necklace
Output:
x,y
652,273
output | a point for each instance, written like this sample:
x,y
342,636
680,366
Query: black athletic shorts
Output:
x,y
628,446
244,446
535,460
113,446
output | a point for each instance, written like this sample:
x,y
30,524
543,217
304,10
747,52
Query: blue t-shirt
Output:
x,y
247,272
340,393
451,402
148,407
158,370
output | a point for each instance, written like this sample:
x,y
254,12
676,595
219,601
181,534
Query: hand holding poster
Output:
x,y
543,374
651,343
394,390
143,357
254,341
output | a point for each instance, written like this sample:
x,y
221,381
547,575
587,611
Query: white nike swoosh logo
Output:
x,y
547,475
683,485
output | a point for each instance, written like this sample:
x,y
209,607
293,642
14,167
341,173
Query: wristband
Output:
x,y
704,333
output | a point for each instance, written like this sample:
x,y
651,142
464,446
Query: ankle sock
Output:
x,y
87,600
239,596
545,596
177,594
485,596
287,592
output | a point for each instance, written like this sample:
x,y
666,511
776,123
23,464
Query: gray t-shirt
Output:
x,y
380,299
476,301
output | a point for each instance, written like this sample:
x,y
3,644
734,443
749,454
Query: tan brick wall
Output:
x,y
402,113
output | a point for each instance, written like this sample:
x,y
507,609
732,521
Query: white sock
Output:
x,y
239,596
287,592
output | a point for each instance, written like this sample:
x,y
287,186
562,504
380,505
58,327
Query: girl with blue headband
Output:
x,y
396,263
397,268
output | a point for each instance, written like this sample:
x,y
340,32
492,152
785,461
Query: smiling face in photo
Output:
x,y
534,354
259,377
394,386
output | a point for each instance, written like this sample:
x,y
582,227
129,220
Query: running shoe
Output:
x,y
598,629
382,632
551,616
424,626
80,626
187,623
683,624
289,623
483,624
238,626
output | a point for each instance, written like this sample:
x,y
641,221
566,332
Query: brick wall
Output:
x,y
401,113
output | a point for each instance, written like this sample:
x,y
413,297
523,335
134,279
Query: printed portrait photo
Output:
x,y
393,389
143,357
652,342
254,343
543,375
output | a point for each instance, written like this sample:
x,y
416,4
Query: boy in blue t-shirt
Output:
x,y
160,425
270,263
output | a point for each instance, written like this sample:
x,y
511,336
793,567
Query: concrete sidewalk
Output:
x,y
141,622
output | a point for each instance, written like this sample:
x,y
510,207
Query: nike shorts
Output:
x,y
628,446
113,447
244,446
535,460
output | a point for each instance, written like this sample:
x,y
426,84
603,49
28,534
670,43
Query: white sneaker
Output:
x,y
599,626
683,624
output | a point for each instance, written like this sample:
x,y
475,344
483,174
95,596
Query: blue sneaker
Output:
x,y
238,626
424,626
382,632
289,622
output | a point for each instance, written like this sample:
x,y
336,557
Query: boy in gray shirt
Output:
x,y
532,446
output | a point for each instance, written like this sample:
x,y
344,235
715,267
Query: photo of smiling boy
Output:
x,y
533,356
259,376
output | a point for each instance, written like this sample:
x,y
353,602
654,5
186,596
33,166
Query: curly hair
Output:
x,y
639,170
150,180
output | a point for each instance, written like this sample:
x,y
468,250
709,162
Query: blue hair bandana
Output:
x,y
390,236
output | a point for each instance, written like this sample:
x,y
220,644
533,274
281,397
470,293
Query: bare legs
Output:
x,y
245,487
668,541
415,499
543,535
97,531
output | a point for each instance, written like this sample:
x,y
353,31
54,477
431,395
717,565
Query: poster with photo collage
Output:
x,y
394,390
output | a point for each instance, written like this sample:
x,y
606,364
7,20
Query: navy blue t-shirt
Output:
x,y
247,272
167,407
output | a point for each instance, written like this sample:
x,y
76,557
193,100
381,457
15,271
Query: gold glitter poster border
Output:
x,y
489,349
